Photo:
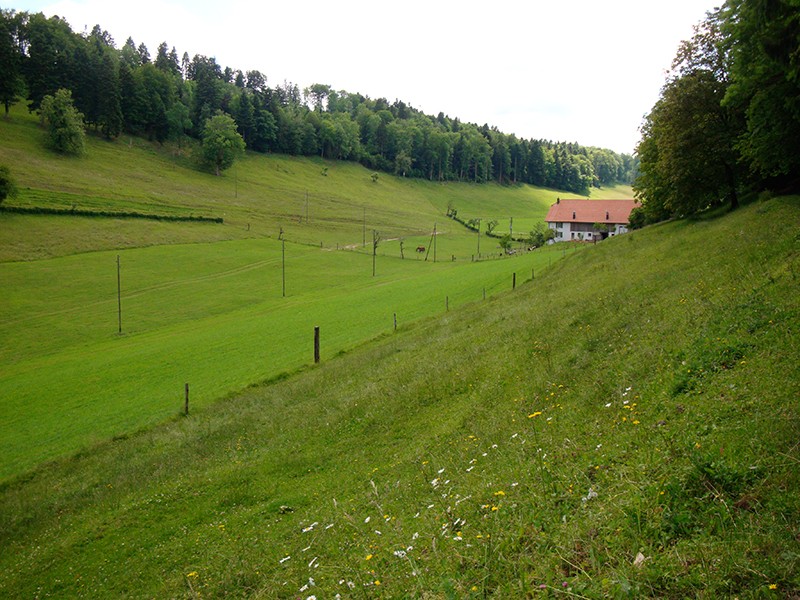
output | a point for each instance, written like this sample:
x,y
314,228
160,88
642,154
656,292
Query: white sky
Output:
x,y
583,71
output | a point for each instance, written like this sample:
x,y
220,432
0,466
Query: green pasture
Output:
x,y
312,201
212,315
625,426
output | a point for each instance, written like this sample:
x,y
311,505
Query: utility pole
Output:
x,y
119,295
283,265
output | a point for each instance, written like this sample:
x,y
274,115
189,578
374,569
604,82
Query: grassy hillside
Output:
x,y
210,315
311,200
625,425
202,302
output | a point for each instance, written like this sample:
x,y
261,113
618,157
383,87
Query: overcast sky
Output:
x,y
583,71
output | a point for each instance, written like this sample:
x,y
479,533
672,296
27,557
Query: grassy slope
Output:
x,y
201,303
624,426
210,315
257,198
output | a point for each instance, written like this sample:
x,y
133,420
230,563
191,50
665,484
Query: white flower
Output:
x,y
400,553
367,519
440,471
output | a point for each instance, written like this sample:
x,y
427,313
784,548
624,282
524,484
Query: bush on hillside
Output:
x,y
8,188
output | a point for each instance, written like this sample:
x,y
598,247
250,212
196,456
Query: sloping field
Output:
x,y
625,425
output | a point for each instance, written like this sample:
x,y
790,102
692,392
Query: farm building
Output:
x,y
589,220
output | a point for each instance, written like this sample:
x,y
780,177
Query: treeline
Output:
x,y
727,123
167,97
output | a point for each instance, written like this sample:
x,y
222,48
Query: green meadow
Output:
x,y
204,303
622,423
211,315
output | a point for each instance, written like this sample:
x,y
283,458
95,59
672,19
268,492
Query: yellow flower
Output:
x,y
369,557
377,582
535,414
500,493
773,586
192,574
494,508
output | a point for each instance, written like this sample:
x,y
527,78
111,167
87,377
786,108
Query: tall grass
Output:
x,y
625,425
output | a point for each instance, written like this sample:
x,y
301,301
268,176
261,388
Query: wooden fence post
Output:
x,y
514,281
316,344
186,400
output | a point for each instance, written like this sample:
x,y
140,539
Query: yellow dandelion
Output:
x,y
773,586
377,582
536,414
494,508
369,557
500,493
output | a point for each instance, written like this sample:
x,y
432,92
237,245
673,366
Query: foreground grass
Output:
x,y
624,426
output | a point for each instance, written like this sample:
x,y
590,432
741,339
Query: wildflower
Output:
x,y
589,496
494,508
773,586
369,557
377,582
608,405
367,519
535,414
500,493
400,553
192,574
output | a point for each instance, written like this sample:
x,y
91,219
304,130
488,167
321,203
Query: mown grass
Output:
x,y
212,315
626,425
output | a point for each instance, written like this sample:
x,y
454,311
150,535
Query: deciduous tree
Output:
x,y
65,128
221,142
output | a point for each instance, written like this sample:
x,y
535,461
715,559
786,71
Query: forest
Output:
x,y
727,123
171,98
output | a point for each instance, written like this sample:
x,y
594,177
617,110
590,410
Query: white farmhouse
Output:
x,y
589,220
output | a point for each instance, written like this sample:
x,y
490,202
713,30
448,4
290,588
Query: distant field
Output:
x,y
311,200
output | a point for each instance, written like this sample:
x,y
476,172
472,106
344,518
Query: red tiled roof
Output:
x,y
591,211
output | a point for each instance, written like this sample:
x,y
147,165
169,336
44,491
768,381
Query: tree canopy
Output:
x,y
64,123
728,118
221,142
124,89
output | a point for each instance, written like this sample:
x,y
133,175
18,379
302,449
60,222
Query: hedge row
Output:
x,y
80,212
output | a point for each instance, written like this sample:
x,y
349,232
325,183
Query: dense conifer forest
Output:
x,y
168,97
